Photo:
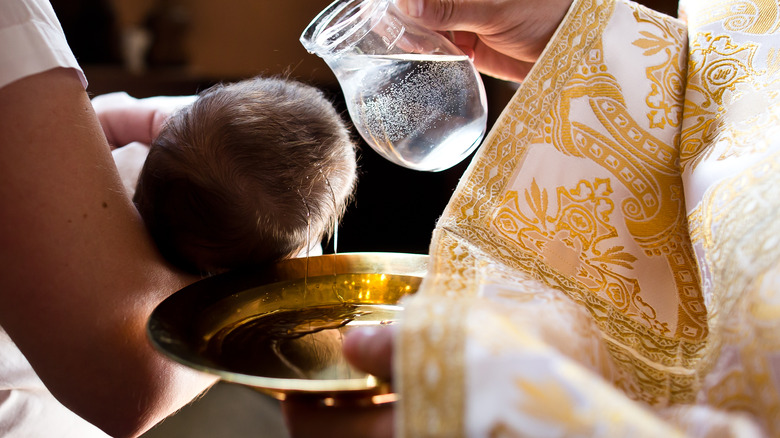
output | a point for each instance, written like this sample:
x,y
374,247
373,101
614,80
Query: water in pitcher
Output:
x,y
425,112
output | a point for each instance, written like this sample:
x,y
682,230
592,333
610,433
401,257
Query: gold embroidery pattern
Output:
x,y
505,145
731,366
717,65
695,225
654,214
453,271
668,81
433,372
735,224
422,399
646,166
746,16
740,239
581,223
578,232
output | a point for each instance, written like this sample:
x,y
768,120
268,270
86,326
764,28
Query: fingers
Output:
x,y
305,419
449,14
370,349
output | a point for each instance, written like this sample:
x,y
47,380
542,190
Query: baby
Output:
x,y
245,173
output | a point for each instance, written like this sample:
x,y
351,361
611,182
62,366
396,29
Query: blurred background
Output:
x,y
177,47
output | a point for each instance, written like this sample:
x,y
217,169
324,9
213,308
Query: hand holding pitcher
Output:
x,y
413,95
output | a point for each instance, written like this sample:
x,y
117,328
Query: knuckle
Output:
x,y
444,12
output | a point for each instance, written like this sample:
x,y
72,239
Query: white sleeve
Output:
x,y
32,41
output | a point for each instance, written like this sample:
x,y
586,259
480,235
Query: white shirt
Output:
x,y
32,41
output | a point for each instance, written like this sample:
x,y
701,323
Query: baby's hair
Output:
x,y
247,174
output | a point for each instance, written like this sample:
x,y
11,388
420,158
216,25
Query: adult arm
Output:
x,y
79,275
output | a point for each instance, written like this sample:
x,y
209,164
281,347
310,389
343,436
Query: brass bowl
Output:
x,y
279,329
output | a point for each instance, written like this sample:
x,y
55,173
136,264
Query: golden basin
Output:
x,y
279,329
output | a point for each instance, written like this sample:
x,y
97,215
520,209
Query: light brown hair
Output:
x,y
247,174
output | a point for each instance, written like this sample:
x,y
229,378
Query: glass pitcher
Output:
x,y
413,96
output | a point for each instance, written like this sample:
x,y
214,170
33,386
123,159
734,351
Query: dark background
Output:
x,y
395,209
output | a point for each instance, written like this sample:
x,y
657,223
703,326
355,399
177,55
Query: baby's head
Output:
x,y
247,174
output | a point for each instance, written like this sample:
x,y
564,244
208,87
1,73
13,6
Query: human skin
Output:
x,y
79,275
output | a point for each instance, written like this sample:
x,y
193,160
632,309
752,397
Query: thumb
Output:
x,y
370,349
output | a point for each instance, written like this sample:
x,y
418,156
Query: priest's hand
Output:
x,y
503,37
370,350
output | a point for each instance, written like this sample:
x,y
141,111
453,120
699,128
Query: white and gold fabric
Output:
x,y
609,264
